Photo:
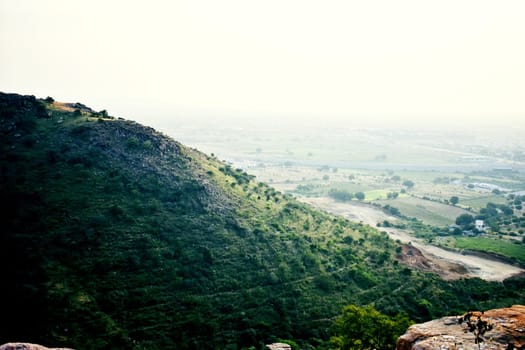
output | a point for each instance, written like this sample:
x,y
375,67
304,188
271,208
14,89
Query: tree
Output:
x,y
340,195
392,210
478,327
454,200
506,210
360,195
408,183
392,195
464,220
366,328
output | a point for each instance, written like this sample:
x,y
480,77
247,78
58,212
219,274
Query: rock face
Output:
x,y
507,332
277,346
27,346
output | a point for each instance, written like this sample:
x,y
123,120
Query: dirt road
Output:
x,y
449,264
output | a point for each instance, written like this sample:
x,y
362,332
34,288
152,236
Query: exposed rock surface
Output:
x,y
508,332
279,346
27,346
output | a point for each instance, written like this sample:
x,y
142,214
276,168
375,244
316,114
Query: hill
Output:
x,y
116,236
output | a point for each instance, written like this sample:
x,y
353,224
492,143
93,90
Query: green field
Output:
x,y
427,200
429,212
375,195
481,201
505,248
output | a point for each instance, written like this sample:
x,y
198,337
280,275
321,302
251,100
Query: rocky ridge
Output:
x,y
506,331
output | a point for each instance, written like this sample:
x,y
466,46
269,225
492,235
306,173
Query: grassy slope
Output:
x,y
116,236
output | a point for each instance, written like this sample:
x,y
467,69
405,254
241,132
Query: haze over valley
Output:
x,y
234,174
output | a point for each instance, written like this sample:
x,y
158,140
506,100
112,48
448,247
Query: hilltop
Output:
x,y
116,236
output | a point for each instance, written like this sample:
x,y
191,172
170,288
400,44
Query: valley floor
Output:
x,y
448,264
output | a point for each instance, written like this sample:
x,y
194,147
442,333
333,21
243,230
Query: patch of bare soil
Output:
x,y
448,270
453,265
353,211
447,264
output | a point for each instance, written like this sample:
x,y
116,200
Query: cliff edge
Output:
x,y
501,329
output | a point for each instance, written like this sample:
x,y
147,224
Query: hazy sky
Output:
x,y
428,60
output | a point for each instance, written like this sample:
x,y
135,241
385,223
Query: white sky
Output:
x,y
402,60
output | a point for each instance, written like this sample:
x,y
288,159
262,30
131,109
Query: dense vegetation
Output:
x,y
115,236
367,328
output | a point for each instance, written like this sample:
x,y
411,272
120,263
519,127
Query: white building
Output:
x,y
480,225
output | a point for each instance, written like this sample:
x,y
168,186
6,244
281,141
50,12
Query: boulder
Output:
x,y
27,346
505,331
279,346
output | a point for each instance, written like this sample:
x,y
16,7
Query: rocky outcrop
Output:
x,y
13,107
279,346
506,331
27,346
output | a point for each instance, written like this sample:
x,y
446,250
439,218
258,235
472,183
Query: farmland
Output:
x,y
416,178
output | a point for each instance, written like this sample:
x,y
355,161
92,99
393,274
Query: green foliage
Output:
x,y
147,145
360,195
340,195
133,142
240,176
513,251
408,183
125,246
366,328
464,220
392,210
498,216
392,195
292,343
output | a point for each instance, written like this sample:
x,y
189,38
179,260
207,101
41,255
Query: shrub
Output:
x,y
147,145
133,142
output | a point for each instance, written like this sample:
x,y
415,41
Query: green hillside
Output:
x,y
115,236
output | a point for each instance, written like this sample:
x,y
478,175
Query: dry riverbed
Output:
x,y
448,264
